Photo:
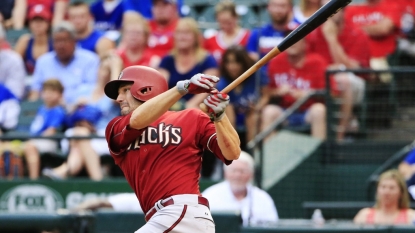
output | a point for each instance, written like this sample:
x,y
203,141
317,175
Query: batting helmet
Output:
x,y
146,83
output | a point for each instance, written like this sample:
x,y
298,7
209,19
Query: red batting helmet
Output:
x,y
146,83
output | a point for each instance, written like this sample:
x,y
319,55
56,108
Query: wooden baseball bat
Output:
x,y
318,18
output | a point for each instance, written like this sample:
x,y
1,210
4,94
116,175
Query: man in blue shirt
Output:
x,y
72,66
269,36
87,37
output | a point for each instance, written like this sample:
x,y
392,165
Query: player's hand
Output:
x,y
216,103
199,83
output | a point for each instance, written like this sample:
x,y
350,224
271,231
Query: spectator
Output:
x,y
107,14
90,116
87,37
237,193
407,169
247,99
305,9
392,203
188,58
292,75
162,26
381,22
125,202
269,36
6,9
144,7
48,121
135,36
9,110
343,46
22,7
73,66
230,32
38,42
12,71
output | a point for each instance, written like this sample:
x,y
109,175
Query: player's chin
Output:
x,y
125,111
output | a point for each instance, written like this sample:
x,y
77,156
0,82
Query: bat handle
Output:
x,y
203,107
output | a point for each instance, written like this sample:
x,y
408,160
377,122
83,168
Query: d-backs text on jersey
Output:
x,y
162,134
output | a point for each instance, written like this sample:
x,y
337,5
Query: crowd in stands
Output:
x,y
72,49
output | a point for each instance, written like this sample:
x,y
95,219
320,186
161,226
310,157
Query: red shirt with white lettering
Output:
x,y
364,15
143,61
161,39
216,45
354,41
311,76
165,158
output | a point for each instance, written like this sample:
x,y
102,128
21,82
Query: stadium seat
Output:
x,y
13,35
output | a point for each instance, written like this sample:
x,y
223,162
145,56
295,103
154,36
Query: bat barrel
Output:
x,y
318,18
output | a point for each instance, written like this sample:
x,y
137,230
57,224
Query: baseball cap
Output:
x,y
39,11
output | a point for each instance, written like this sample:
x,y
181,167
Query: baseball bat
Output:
x,y
315,20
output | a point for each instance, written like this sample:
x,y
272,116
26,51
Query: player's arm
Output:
x,y
152,109
227,137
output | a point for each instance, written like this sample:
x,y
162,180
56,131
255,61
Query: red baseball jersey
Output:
x,y
165,158
364,15
143,61
354,41
216,46
310,77
161,40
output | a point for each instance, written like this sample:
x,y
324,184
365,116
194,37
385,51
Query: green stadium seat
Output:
x,y
13,35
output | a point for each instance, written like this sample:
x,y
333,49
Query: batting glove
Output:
x,y
199,83
216,104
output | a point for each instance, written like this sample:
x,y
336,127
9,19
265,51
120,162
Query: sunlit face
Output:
x,y
388,191
226,21
50,97
232,66
238,174
134,36
279,10
163,11
38,26
184,37
79,17
127,102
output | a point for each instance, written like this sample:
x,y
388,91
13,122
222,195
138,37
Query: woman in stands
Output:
x,y
230,32
32,46
247,98
187,58
89,116
392,203
135,35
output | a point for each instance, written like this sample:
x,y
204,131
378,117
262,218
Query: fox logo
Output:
x,y
162,134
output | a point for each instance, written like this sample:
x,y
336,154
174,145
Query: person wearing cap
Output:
x,y
12,71
38,42
22,9
87,37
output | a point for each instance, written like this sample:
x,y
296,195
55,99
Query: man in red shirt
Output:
x,y
292,75
165,18
381,22
160,151
343,46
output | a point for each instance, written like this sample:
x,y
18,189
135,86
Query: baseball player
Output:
x,y
160,151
